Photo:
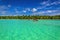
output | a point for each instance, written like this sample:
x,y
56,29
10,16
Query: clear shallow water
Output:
x,y
29,30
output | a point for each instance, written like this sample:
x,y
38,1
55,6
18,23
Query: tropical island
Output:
x,y
30,17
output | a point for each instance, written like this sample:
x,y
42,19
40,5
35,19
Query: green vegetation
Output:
x,y
30,17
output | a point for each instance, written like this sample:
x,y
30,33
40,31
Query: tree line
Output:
x,y
30,17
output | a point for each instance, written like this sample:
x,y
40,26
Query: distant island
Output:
x,y
30,17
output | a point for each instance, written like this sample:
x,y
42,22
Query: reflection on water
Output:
x,y
29,30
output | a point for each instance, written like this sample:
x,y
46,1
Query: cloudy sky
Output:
x,y
29,7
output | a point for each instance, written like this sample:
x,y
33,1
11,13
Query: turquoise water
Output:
x,y
29,30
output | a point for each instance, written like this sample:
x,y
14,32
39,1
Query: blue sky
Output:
x,y
29,7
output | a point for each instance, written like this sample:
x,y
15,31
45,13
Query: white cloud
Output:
x,y
3,9
54,14
44,3
55,3
47,12
48,3
3,12
34,10
37,13
28,9
24,11
51,11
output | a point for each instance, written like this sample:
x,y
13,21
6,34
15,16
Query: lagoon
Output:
x,y
16,29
